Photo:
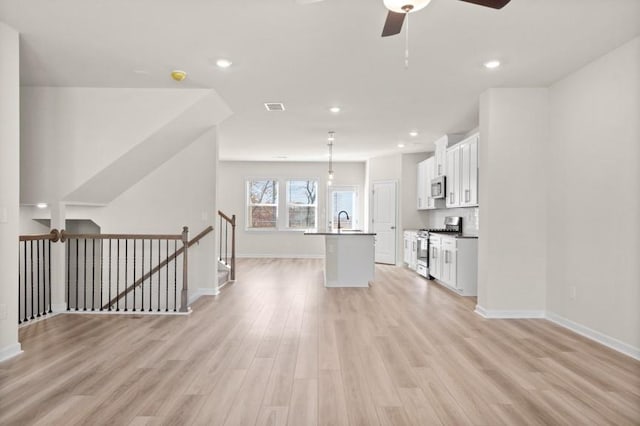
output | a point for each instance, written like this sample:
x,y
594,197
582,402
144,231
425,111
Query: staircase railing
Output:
x,y
34,279
116,272
228,257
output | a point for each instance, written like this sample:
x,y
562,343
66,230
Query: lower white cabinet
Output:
x,y
411,249
454,263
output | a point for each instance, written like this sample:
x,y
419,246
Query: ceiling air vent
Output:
x,y
274,106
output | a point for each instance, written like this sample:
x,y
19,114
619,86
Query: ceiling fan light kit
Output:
x,y
405,6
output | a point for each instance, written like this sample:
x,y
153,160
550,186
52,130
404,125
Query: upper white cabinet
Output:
x,y
422,185
462,173
441,152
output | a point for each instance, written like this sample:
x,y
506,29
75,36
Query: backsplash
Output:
x,y
469,215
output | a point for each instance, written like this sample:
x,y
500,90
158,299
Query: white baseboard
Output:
x,y
507,314
280,256
123,312
203,291
10,351
594,335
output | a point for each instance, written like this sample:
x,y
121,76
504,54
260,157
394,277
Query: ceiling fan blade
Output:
x,y
393,24
494,4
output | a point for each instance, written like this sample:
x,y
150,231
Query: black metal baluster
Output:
x,y
101,271
159,270
19,282
220,251
134,275
150,274
166,299
25,282
126,269
93,275
175,277
77,270
118,277
226,247
84,284
142,277
68,243
31,249
109,307
50,295
38,276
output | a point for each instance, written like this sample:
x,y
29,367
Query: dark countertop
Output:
x,y
453,235
346,233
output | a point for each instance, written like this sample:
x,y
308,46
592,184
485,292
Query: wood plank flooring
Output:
x,y
277,348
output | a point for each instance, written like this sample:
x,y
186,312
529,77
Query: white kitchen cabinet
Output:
x,y
454,263
434,256
411,249
441,156
422,186
453,177
462,173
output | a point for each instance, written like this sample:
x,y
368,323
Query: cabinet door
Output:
x,y
429,171
441,157
407,248
420,185
434,260
449,262
473,172
465,178
413,264
453,179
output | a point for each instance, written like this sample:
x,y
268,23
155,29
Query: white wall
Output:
x,y
89,144
513,203
9,189
593,171
231,197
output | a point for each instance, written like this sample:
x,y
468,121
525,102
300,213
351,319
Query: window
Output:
x,y
302,204
262,204
343,198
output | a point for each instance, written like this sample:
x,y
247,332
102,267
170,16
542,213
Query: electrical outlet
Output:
x,y
572,292
3,311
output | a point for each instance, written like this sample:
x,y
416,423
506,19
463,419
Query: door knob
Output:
x,y
393,227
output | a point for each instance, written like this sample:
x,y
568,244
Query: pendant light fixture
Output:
x,y
331,138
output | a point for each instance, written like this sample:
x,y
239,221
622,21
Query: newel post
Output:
x,y
233,248
185,268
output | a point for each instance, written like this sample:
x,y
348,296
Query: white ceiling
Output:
x,y
313,56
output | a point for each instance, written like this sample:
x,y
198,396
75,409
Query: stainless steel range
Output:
x,y
452,225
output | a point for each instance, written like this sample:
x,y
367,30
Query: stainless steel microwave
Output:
x,y
438,189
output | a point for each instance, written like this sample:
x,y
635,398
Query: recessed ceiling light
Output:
x,y
400,145
223,63
413,133
41,205
334,109
178,75
492,64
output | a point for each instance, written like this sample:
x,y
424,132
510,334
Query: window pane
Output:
x,y
302,217
263,216
302,192
263,192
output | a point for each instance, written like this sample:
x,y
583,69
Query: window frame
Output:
x,y
287,204
249,204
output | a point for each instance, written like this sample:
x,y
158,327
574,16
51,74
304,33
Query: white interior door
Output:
x,y
384,221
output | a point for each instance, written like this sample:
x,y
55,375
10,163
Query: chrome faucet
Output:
x,y
339,214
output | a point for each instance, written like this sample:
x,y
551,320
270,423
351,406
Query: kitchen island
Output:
x,y
349,258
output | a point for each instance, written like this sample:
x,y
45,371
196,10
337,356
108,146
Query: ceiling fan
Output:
x,y
398,9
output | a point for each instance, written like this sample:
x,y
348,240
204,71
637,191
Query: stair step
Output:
x,y
223,277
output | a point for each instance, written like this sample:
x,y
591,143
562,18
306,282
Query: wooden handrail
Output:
x,y
66,236
53,236
161,265
231,220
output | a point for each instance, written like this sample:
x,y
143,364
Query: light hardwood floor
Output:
x,y
278,348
